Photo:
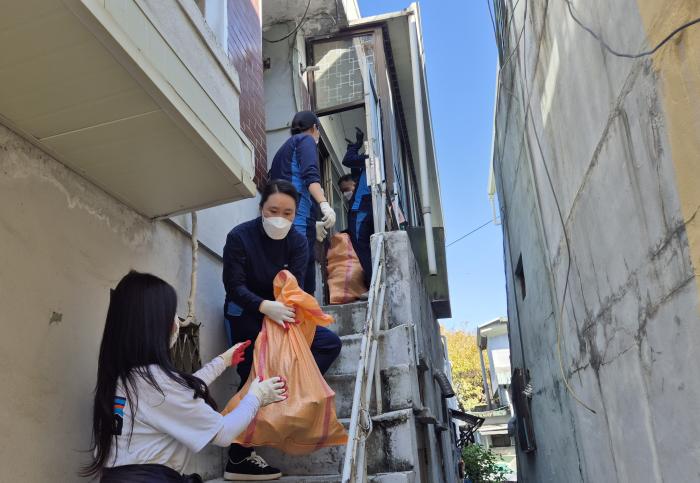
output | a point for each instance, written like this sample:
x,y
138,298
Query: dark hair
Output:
x,y
346,177
279,186
303,121
136,335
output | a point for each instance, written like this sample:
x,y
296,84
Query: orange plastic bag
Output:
x,y
345,276
306,421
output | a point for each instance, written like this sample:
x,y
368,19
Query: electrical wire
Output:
x,y
559,321
528,117
520,36
296,29
473,231
646,53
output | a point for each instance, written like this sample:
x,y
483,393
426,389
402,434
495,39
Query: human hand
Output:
x,y
277,312
269,391
328,215
236,354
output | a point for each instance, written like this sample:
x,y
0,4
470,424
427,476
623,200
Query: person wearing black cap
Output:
x,y
297,161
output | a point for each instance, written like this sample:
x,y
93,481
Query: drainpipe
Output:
x,y
422,156
487,391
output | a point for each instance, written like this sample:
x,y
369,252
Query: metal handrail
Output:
x,y
355,464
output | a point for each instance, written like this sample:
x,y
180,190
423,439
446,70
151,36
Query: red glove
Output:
x,y
236,354
239,353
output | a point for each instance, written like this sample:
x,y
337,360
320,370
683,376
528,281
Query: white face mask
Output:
x,y
276,227
347,195
175,332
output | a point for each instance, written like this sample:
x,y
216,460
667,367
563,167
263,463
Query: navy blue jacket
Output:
x,y
297,162
252,260
362,197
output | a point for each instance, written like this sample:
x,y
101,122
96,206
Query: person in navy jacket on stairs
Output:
x,y
360,217
297,162
255,252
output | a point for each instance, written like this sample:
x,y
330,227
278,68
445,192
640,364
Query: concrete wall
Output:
x,y
64,244
606,128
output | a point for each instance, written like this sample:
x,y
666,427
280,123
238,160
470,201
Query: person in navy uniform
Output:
x,y
255,252
359,197
297,162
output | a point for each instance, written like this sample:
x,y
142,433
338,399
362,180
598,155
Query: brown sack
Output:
x,y
306,421
345,275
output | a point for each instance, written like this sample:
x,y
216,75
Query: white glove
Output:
x,y
277,312
321,231
328,215
269,391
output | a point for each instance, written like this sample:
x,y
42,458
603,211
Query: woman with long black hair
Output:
x,y
149,418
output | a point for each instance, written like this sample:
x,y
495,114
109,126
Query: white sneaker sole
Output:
x,y
240,477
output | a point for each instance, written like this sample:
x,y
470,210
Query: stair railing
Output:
x,y
367,378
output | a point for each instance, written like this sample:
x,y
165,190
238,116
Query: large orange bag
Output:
x,y
345,275
306,421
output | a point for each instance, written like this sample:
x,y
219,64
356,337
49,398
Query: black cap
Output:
x,y
304,120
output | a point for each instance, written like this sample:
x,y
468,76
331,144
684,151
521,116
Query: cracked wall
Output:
x,y
618,139
64,244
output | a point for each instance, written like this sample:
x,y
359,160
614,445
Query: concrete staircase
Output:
x,y
392,449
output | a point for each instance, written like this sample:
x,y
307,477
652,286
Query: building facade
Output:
x,y
118,119
596,160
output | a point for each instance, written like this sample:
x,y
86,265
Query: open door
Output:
x,y
376,175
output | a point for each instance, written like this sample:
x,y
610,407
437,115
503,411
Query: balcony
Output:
x,y
135,96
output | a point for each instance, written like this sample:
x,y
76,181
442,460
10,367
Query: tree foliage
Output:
x,y
466,368
481,465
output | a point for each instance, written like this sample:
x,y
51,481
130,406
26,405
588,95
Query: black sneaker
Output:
x,y
252,468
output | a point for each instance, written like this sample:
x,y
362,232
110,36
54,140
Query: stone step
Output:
x,y
395,348
390,448
349,318
399,477
397,387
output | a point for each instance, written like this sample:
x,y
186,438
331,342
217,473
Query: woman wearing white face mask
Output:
x,y
255,252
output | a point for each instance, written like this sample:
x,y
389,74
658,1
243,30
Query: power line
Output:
x,y
528,117
296,29
625,55
473,231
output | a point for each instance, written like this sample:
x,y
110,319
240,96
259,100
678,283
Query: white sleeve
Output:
x,y
237,421
211,370
179,414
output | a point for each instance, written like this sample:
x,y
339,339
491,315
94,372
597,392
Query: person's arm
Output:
x,y
214,368
298,253
260,394
306,152
353,159
235,275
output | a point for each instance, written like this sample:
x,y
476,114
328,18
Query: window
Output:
x,y
339,79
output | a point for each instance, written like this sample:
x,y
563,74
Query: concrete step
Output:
x,y
397,389
349,318
395,348
389,449
298,479
401,477
398,477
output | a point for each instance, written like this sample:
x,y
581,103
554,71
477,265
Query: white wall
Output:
x,y
63,244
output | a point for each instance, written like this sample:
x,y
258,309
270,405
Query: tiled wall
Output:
x,y
245,51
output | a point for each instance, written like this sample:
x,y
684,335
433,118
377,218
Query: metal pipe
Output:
x,y
422,156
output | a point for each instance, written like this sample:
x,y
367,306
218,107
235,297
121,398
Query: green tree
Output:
x,y
466,367
482,465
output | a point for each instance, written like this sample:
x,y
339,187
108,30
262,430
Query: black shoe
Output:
x,y
252,468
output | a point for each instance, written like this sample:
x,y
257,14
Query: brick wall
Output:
x,y
245,51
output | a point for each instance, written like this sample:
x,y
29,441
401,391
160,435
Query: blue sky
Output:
x,y
461,61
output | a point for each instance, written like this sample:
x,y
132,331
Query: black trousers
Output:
x,y
146,474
